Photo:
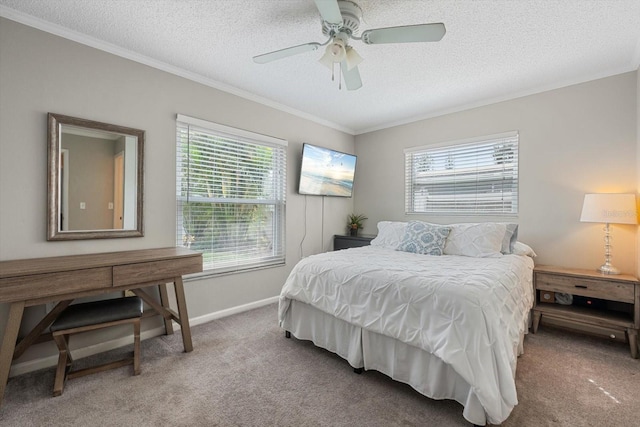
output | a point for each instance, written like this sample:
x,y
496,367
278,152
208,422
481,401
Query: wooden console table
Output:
x,y
28,282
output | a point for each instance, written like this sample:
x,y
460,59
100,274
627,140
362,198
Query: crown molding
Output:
x,y
95,43
495,100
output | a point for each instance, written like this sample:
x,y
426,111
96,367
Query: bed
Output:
x,y
449,324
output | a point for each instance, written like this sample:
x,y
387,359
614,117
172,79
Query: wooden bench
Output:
x,y
90,316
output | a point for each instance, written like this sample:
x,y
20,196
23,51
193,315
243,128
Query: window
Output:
x,y
472,177
230,195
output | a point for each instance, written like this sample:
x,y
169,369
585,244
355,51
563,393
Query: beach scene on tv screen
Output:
x,y
327,172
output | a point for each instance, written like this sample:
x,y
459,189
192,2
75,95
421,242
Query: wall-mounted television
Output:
x,y
326,172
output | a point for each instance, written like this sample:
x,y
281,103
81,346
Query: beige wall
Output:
x,y
42,73
638,160
573,141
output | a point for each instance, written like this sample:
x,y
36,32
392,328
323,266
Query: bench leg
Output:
x,y
62,342
136,347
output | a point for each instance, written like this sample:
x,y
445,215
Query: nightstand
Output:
x,y
345,242
604,305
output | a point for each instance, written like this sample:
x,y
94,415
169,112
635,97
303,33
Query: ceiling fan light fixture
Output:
x,y
334,53
337,50
352,58
327,60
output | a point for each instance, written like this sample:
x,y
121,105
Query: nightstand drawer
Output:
x,y
611,333
623,292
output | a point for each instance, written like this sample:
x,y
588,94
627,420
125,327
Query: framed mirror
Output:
x,y
95,179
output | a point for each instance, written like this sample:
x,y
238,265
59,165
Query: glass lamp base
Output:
x,y
608,269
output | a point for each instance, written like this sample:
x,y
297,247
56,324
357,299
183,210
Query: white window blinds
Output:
x,y
472,177
230,192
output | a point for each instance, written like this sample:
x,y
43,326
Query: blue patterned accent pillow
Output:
x,y
424,238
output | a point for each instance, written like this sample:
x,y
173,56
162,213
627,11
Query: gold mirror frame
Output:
x,y
54,179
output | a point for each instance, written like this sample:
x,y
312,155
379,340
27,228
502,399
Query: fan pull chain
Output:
x,y
340,78
332,71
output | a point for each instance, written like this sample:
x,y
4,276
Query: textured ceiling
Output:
x,y
493,50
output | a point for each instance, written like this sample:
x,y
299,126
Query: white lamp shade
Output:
x,y
610,208
335,52
352,58
327,60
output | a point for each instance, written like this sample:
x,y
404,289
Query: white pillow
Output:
x,y
522,249
390,234
510,238
479,240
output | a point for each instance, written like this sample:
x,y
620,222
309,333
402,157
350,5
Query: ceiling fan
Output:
x,y
340,22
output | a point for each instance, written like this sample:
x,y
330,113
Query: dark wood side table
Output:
x,y
603,305
346,242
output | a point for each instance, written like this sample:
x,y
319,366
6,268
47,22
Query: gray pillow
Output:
x,y
424,238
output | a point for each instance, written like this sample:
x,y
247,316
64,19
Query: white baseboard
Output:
x,y
49,361
229,311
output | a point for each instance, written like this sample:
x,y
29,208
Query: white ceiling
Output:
x,y
492,51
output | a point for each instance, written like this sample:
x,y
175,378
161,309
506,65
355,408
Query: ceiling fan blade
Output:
x,y
405,34
283,53
351,77
330,11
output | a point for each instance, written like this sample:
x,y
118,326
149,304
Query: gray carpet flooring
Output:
x,y
243,372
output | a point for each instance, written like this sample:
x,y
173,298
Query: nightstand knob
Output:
x,y
612,336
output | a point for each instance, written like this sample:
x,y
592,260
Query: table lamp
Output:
x,y
609,209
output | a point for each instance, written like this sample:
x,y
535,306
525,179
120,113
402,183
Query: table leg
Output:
x,y
184,316
164,299
37,330
536,320
157,306
9,343
632,334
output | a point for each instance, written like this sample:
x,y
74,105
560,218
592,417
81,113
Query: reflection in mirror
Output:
x,y
98,196
95,179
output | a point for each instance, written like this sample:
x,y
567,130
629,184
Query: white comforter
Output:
x,y
470,312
